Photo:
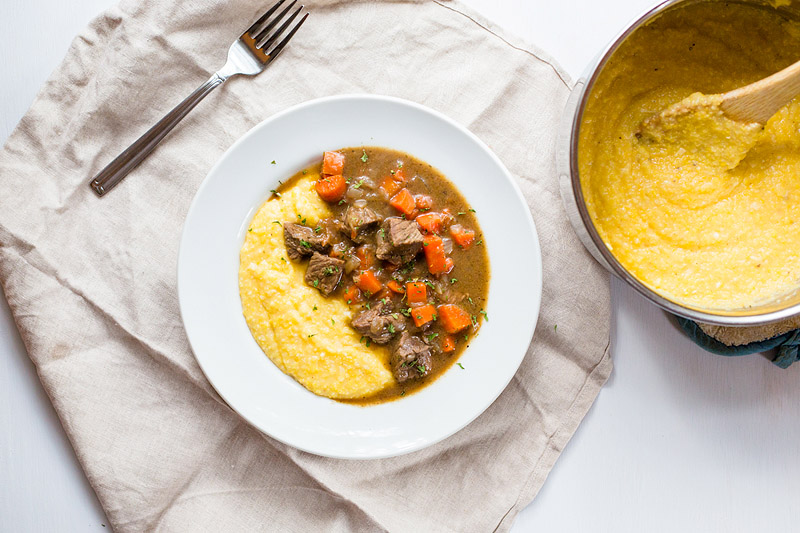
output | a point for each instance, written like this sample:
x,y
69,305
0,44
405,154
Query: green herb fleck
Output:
x,y
358,184
368,342
395,316
305,172
391,328
364,156
432,336
367,304
466,337
341,202
316,283
461,213
420,368
485,316
460,366
406,311
249,229
317,229
383,301
470,299
333,321
453,280
403,393
273,162
278,222
305,244
480,241
429,284
472,210
311,335
276,193
474,320
315,308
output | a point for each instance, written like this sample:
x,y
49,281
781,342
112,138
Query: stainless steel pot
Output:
x,y
572,194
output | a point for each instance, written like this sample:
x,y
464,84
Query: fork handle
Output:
x,y
113,173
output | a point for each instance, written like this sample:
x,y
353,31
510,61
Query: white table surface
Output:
x,y
678,440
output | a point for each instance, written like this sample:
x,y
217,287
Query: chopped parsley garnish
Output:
x,y
470,299
316,283
368,342
395,316
278,222
406,311
432,336
480,241
461,213
364,156
305,244
391,328
305,172
317,229
453,280
315,308
472,210
466,337
424,244
311,335
403,393
283,259
460,366
420,368
485,315
330,270
399,164
382,232
368,293
367,305
555,328
276,193
341,202
474,320
333,321
273,162
383,301
249,229
358,184
429,284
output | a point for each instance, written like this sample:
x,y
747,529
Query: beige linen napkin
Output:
x,y
92,282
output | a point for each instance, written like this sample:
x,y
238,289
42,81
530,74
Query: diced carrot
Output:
x,y
332,163
393,183
331,188
448,344
403,201
368,282
423,201
434,254
448,265
423,314
395,287
416,292
454,319
366,256
352,295
462,236
430,222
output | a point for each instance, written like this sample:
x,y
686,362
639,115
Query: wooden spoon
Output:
x,y
758,101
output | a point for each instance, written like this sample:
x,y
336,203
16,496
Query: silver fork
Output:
x,y
247,55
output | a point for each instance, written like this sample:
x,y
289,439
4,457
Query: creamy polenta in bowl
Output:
x,y
334,277
700,212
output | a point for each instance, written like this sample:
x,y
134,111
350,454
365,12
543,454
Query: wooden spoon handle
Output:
x,y
758,101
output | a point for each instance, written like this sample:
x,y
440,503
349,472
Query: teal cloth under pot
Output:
x,y
787,345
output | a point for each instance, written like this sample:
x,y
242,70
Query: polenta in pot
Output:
x,y
702,209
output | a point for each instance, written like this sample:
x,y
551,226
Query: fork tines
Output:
x,y
262,34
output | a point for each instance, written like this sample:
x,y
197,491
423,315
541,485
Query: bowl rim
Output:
x,y
534,306
583,88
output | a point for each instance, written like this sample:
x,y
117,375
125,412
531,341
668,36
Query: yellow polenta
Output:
x,y
702,209
305,334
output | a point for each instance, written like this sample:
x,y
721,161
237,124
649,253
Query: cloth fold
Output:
x,y
749,340
91,282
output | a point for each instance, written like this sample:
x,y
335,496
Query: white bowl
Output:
x,y
208,288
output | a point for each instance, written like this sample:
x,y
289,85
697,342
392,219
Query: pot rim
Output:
x,y
741,317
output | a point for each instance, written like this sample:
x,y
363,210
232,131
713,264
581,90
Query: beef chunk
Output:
x,y
399,241
380,323
324,272
411,358
301,240
361,222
